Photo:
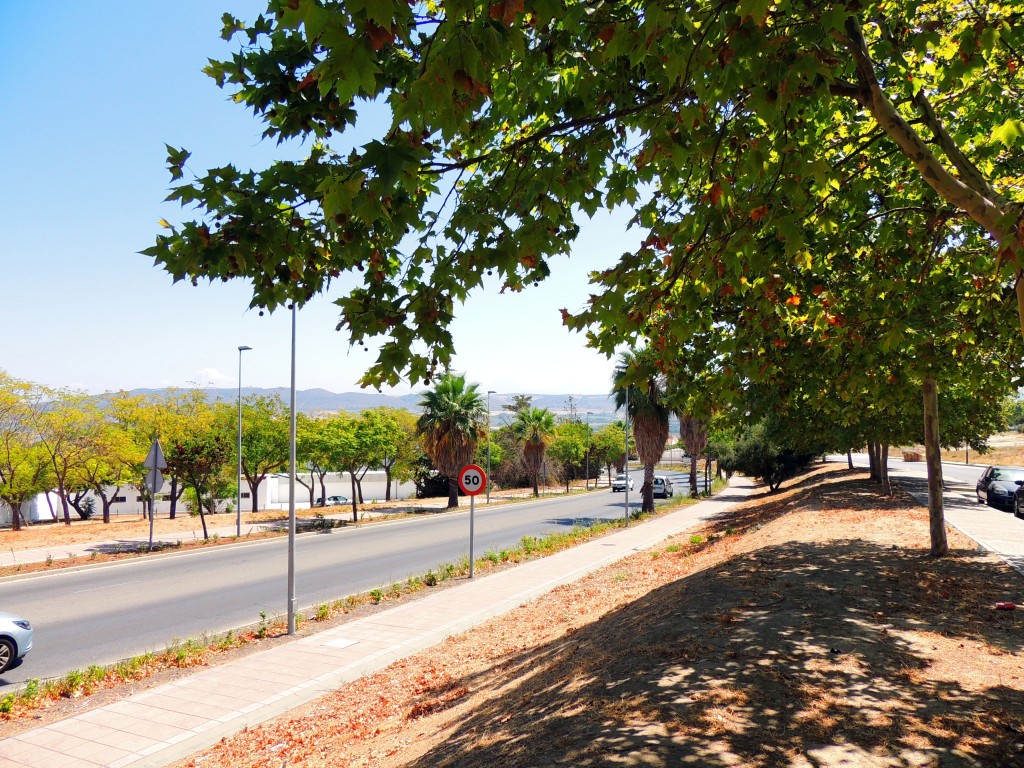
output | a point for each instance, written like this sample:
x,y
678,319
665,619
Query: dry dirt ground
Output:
x,y
808,628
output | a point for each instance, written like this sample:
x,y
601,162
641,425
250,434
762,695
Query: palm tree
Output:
x,y
534,428
693,433
648,409
450,425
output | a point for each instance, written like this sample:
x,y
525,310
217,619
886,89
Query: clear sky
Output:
x,y
89,95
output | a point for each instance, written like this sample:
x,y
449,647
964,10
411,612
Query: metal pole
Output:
x,y
472,559
627,457
292,601
489,393
238,494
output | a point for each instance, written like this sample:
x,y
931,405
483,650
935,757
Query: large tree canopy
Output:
x,y
766,147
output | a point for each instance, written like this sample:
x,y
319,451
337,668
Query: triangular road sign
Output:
x,y
155,459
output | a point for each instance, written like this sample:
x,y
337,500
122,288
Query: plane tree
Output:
x,y
725,125
199,460
25,468
265,429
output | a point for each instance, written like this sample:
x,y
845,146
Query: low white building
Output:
x,y
273,494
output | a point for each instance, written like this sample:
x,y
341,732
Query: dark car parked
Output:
x,y
997,487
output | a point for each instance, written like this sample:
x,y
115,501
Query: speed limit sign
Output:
x,y
472,480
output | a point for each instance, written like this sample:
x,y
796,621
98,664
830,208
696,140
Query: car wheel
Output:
x,y
8,653
988,499
1017,512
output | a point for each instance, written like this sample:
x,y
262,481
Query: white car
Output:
x,y
15,639
621,481
663,487
333,501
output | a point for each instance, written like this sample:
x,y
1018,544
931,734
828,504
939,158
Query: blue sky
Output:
x,y
90,93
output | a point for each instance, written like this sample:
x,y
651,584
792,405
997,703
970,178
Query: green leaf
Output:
x,y
1009,132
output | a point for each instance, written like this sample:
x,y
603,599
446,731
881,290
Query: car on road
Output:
x,y
998,485
15,639
333,501
621,481
663,487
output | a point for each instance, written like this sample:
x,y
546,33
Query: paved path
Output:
x,y
999,532
173,721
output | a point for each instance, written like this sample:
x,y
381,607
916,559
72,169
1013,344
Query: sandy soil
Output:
x,y
808,628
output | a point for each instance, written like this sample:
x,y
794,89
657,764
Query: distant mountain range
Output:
x,y
313,401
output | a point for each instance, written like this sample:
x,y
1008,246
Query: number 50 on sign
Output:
x,y
472,480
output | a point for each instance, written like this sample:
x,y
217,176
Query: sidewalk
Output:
x,y
171,722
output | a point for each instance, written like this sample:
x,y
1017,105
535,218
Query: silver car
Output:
x,y
621,481
15,639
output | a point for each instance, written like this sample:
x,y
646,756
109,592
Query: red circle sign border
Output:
x,y
462,485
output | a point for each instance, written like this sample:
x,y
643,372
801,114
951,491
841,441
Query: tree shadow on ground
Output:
x,y
798,655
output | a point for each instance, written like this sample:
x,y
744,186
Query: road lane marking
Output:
x,y
105,586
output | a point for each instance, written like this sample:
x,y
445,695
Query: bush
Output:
x,y
759,454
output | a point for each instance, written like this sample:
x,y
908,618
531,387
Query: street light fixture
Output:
x,y
489,393
238,509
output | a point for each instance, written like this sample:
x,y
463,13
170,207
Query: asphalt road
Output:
x,y
101,614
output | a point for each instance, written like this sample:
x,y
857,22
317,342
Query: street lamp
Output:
x,y
625,501
587,478
238,509
489,393
292,599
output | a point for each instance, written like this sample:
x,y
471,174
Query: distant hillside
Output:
x,y
322,401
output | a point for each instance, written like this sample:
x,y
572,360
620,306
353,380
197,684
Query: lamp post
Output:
x,y
238,509
292,600
489,393
587,477
626,498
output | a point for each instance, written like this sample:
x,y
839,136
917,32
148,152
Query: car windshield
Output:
x,y
1008,474
620,477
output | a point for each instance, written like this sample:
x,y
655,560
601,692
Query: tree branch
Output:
x,y
984,211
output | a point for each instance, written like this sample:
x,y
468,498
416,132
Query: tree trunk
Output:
x,y
175,495
387,484
648,488
453,491
873,469
849,457
355,498
202,514
936,518
49,503
883,464
693,476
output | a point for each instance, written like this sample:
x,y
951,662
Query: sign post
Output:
x,y
154,462
472,480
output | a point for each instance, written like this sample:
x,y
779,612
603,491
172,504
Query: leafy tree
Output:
x,y
265,434
25,469
608,447
638,387
693,434
742,117
111,461
313,452
63,427
392,444
569,448
519,403
451,425
534,429
174,416
199,459
757,453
